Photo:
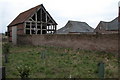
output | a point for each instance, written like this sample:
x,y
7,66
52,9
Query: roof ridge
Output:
x,y
23,16
76,21
114,19
30,9
109,21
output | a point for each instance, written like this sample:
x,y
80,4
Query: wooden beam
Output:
x,y
30,28
36,16
36,23
46,17
31,19
51,27
55,29
40,22
46,27
36,28
41,28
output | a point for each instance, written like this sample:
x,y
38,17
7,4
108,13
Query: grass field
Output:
x,y
59,62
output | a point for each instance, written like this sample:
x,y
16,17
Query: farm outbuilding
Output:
x,y
107,27
75,27
34,21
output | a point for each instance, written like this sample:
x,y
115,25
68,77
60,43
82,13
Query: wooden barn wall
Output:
x,y
107,43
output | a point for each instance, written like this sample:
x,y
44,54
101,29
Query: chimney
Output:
x,y
119,11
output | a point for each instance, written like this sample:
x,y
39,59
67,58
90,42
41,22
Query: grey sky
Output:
x,y
90,11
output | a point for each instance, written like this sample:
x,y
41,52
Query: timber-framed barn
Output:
x,y
34,21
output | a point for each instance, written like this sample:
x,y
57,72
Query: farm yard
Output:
x,y
57,62
35,46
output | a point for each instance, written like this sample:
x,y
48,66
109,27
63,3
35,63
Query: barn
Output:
x,y
75,27
35,21
107,27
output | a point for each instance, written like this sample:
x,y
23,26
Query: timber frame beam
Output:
x,y
40,23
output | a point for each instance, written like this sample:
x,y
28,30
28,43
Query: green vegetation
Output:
x,y
6,51
24,71
55,62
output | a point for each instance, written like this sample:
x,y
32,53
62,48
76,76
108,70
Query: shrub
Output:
x,y
24,71
6,51
6,48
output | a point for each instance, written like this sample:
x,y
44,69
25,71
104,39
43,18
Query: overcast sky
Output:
x,y
89,11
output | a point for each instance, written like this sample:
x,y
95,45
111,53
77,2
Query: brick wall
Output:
x,y
20,30
107,43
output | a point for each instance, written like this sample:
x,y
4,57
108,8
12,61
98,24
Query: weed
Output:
x,y
59,63
24,71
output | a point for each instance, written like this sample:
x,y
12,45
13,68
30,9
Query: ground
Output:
x,y
56,62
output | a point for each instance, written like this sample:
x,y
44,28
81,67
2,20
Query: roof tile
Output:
x,y
23,16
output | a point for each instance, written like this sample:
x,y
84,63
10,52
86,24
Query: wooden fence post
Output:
x,y
2,74
101,70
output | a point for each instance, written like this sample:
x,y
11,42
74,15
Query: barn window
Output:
x,y
27,25
33,25
38,25
38,32
27,31
44,32
33,31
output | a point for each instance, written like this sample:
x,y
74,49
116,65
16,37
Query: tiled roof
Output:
x,y
75,26
23,16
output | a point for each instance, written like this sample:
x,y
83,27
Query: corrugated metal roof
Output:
x,y
75,26
22,17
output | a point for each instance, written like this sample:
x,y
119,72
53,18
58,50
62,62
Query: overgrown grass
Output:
x,y
59,62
